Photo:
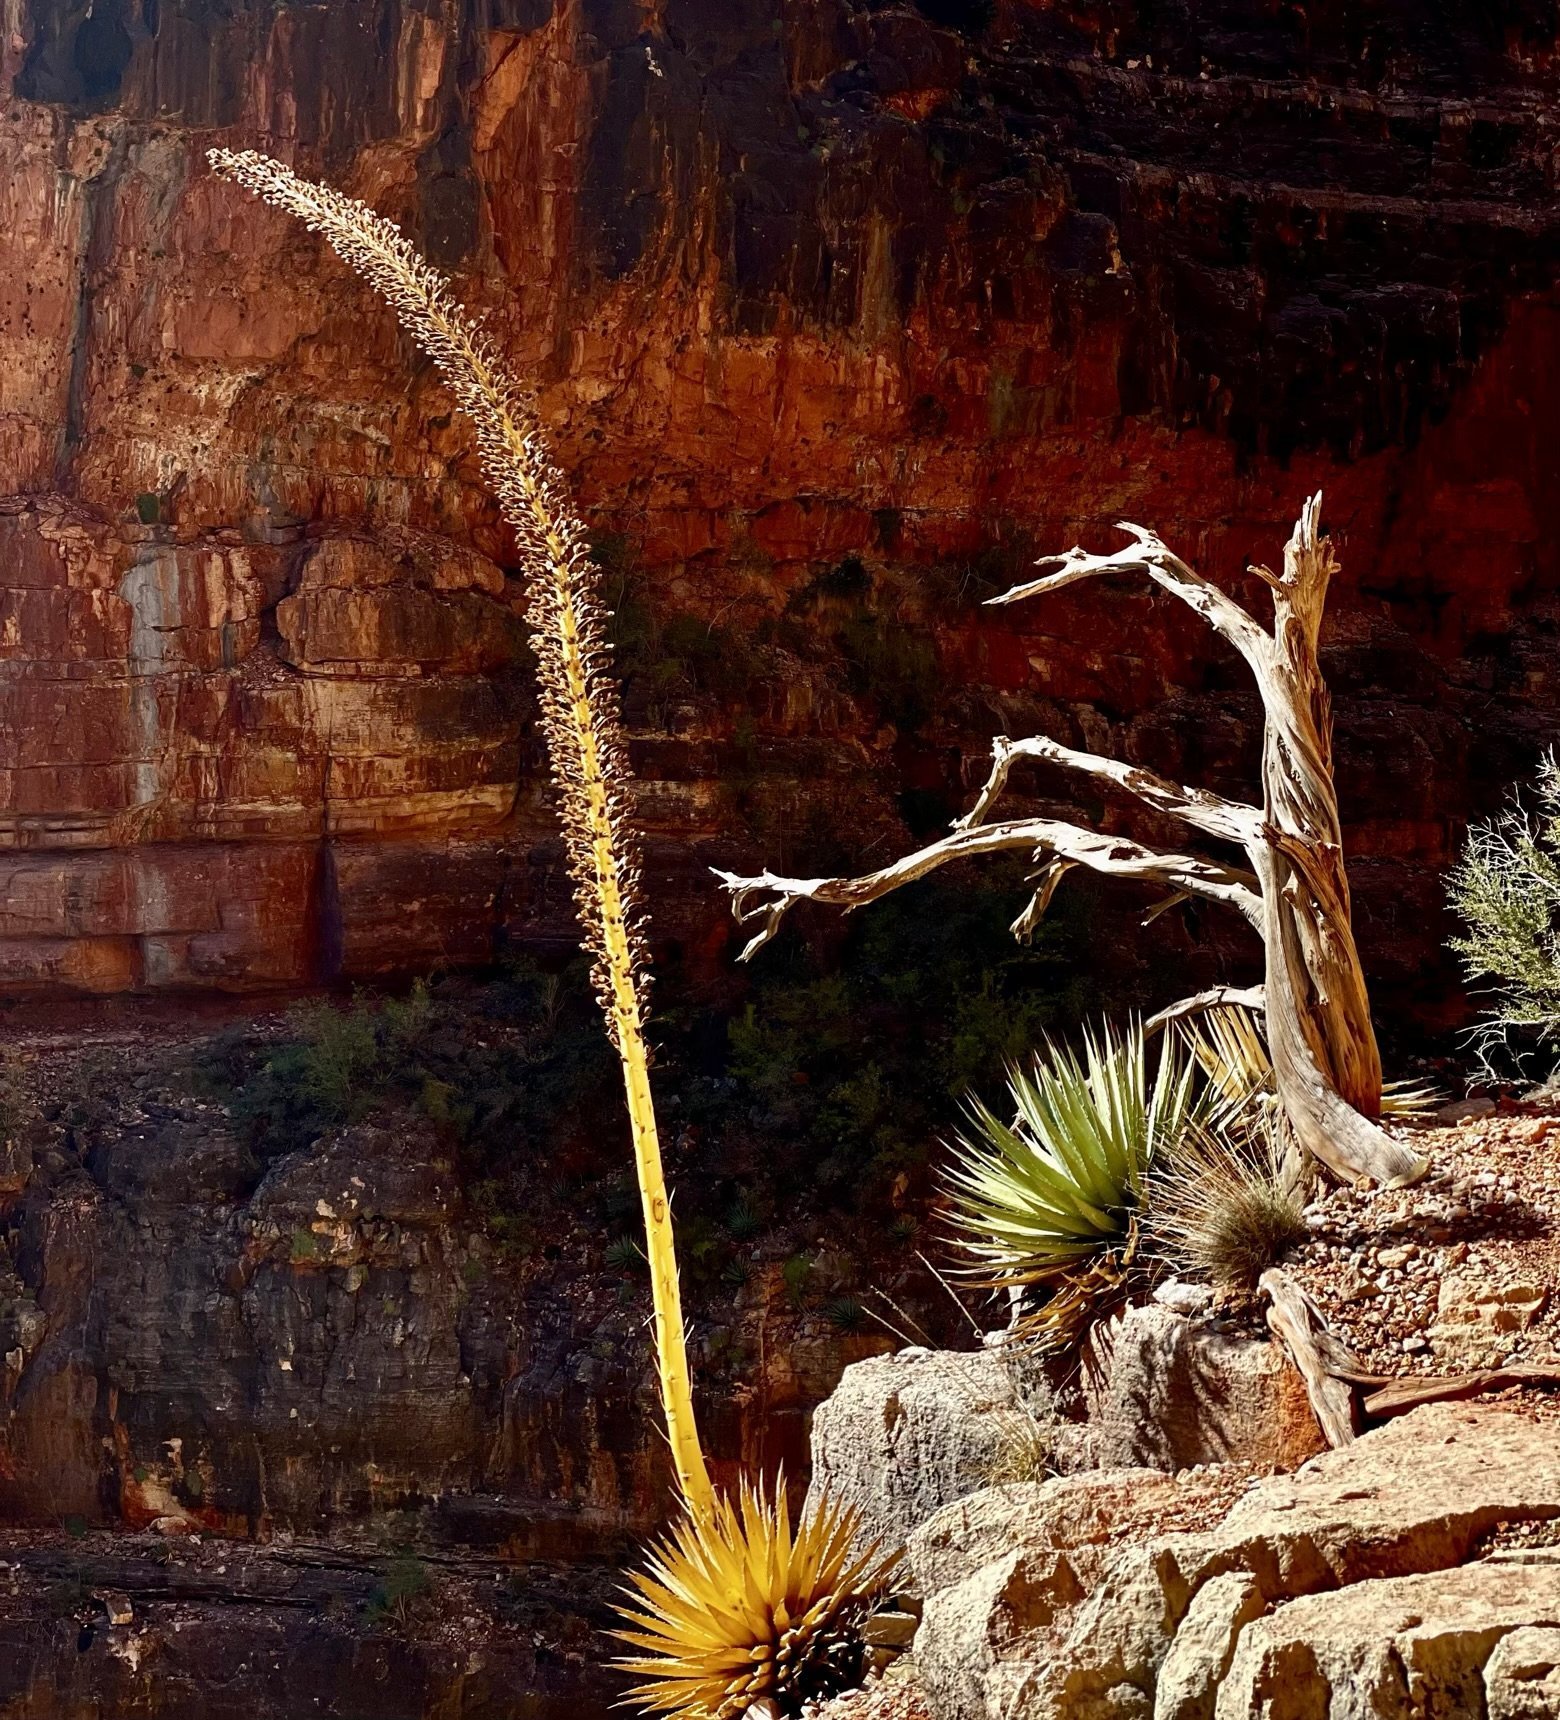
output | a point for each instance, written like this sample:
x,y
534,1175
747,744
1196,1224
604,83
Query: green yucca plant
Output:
x,y
744,1608
1054,1194
795,1594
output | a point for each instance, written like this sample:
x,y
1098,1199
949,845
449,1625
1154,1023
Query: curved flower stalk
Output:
x,y
579,697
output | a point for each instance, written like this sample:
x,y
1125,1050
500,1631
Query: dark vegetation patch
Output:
x,y
800,1126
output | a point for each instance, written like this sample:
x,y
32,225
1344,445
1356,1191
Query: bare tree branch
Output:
x,y
1326,1066
1150,555
1228,820
1046,882
1047,839
1251,997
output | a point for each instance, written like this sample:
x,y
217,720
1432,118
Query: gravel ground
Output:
x,y
1461,1271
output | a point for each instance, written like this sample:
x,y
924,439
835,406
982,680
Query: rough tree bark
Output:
x,y
1293,891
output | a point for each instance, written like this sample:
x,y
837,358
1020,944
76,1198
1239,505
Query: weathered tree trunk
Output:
x,y
1326,1068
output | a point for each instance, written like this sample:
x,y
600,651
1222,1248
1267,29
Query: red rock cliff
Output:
x,y
840,310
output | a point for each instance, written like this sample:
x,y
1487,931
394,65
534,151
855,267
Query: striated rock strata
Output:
x,y
884,292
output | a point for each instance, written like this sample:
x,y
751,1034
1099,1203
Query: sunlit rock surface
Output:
x,y
931,286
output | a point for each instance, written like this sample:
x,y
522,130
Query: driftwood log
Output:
x,y
1292,888
1347,1399
1398,1397
1323,1360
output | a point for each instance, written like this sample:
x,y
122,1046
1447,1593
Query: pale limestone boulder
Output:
x,y
1200,1653
1075,1512
1522,1675
1402,1648
903,1435
972,1647
1086,1613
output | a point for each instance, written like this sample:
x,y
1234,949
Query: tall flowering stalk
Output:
x,y
737,1605
580,705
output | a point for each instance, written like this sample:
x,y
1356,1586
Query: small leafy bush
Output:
x,y
403,1582
519,1061
797,1274
1506,889
13,1096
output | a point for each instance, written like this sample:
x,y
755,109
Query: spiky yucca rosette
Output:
x,y
739,1608
579,694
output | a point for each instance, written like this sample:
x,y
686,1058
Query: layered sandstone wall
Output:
x,y
903,291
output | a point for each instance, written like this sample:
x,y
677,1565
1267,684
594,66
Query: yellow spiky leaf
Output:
x,y
738,1605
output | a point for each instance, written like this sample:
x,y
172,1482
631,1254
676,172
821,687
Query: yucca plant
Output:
x,y
1232,1053
1229,1203
1053,1197
741,1608
733,1595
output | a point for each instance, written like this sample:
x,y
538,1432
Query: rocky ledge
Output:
x,y
1413,1573
1161,1534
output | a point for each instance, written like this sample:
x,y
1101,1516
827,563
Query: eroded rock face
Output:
x,y
927,285
214,1631
905,1434
1355,1588
200,1342
1173,1391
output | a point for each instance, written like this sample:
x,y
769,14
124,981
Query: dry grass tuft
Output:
x,y
1228,1205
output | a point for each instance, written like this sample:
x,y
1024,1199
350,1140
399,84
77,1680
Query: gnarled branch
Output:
x,y
1148,554
1229,820
1326,1068
1048,840
1253,997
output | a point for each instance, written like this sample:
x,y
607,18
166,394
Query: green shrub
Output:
x,y
403,1582
846,1077
14,1104
743,1222
514,1063
625,1254
797,1274
1506,889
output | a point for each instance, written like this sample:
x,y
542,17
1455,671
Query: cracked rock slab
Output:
x,y
1401,1648
1355,1581
1522,1675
